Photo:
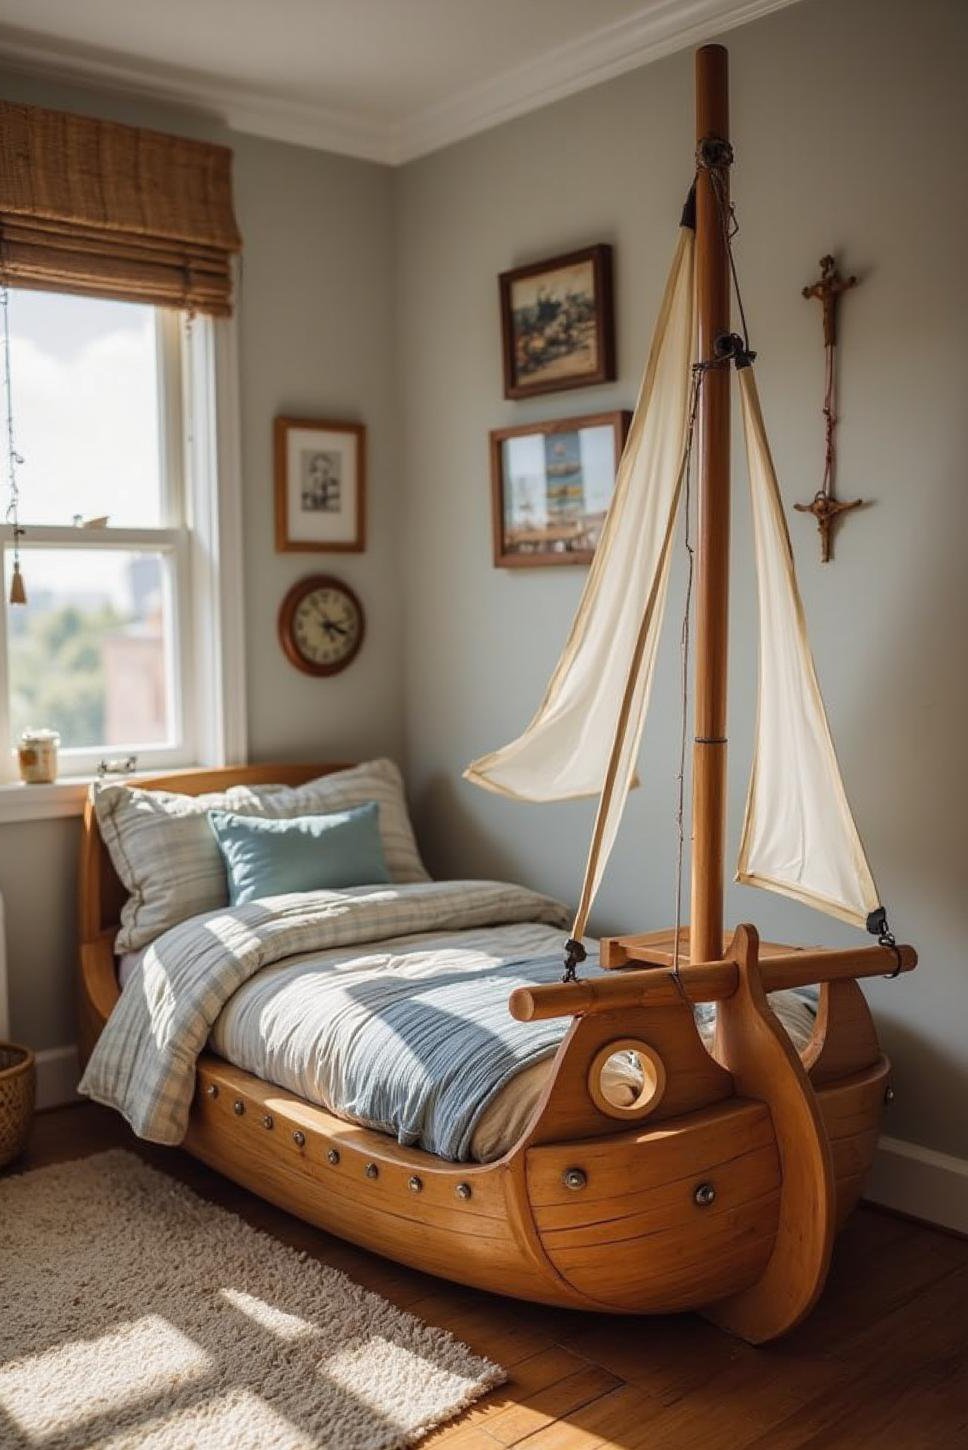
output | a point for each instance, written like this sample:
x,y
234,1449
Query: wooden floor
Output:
x,y
882,1362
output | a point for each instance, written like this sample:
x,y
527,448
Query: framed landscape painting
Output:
x,y
551,485
557,323
320,472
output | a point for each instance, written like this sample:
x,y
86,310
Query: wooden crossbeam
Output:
x,y
657,985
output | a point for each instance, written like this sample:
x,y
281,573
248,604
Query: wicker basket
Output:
x,y
18,1075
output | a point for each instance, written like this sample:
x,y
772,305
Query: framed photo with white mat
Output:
x,y
320,470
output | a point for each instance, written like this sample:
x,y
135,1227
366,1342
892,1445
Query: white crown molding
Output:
x,y
653,31
253,112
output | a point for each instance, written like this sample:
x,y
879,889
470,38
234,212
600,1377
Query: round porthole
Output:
x,y
626,1079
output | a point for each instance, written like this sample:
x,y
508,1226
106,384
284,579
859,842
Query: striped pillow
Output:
x,y
162,847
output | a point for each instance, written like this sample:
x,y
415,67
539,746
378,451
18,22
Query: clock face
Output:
x,y
321,625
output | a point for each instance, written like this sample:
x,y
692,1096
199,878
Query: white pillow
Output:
x,y
167,858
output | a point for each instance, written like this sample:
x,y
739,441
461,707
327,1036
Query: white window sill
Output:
x,y
66,797
20,802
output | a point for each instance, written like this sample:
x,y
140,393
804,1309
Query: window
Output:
x,y
111,647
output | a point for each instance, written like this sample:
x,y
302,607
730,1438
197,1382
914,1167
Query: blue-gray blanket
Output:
x,y
441,1050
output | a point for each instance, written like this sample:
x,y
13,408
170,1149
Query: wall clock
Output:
x,y
321,625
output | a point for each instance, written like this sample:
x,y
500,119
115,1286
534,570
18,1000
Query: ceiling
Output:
x,y
384,79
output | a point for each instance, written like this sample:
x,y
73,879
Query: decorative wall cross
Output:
x,y
825,506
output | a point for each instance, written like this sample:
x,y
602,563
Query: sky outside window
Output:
x,y
85,401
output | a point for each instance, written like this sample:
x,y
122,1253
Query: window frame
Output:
x,y
201,535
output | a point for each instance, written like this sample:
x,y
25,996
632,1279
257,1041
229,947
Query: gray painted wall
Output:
x,y
846,119
315,321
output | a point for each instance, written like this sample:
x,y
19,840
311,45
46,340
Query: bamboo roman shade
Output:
x,y
114,211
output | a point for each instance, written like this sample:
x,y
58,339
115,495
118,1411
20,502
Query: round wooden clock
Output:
x,y
321,625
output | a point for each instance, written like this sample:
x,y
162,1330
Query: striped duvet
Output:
x,y
387,1005
144,1061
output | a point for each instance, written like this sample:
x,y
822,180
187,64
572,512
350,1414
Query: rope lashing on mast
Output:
x,y
715,157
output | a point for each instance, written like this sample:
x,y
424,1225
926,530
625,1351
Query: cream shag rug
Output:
x,y
135,1316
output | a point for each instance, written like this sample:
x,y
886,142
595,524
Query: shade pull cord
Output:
x,y
18,593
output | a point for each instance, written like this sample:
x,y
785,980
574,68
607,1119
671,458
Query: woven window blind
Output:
x,y
114,211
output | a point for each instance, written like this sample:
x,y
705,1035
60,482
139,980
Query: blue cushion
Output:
x,y
303,853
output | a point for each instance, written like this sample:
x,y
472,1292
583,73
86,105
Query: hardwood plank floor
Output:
x,y
883,1361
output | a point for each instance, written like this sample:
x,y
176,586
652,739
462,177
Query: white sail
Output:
x,y
799,837
585,736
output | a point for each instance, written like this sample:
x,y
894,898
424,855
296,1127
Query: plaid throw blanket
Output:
x,y
144,1061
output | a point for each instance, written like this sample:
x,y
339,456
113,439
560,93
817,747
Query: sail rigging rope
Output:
x,y
14,459
575,952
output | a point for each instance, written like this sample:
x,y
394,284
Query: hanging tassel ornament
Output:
x,y
18,592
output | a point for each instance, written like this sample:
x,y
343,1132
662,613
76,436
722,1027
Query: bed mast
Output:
x,y
712,557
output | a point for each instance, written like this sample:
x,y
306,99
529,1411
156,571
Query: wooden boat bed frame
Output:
x,y
721,1189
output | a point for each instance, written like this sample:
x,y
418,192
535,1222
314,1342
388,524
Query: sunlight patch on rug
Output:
x,y
139,1317
71,1381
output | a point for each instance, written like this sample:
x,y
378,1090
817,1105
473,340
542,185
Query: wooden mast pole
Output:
x,y
712,555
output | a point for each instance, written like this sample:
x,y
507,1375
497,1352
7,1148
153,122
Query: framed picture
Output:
x,y
320,486
551,485
557,323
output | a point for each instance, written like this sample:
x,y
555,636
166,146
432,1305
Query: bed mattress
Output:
x,y
280,1025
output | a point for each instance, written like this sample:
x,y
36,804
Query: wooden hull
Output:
x,y
633,1240
723,1196
720,1190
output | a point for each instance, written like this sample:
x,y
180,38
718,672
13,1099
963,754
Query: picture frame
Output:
x,y
551,485
320,486
558,323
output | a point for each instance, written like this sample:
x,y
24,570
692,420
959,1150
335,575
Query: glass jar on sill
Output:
x,y
37,753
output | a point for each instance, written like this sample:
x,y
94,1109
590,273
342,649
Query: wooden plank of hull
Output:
x,y
685,1267
473,1241
844,1037
357,1146
851,1110
664,1254
640,1160
637,1215
854,1103
635,1234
